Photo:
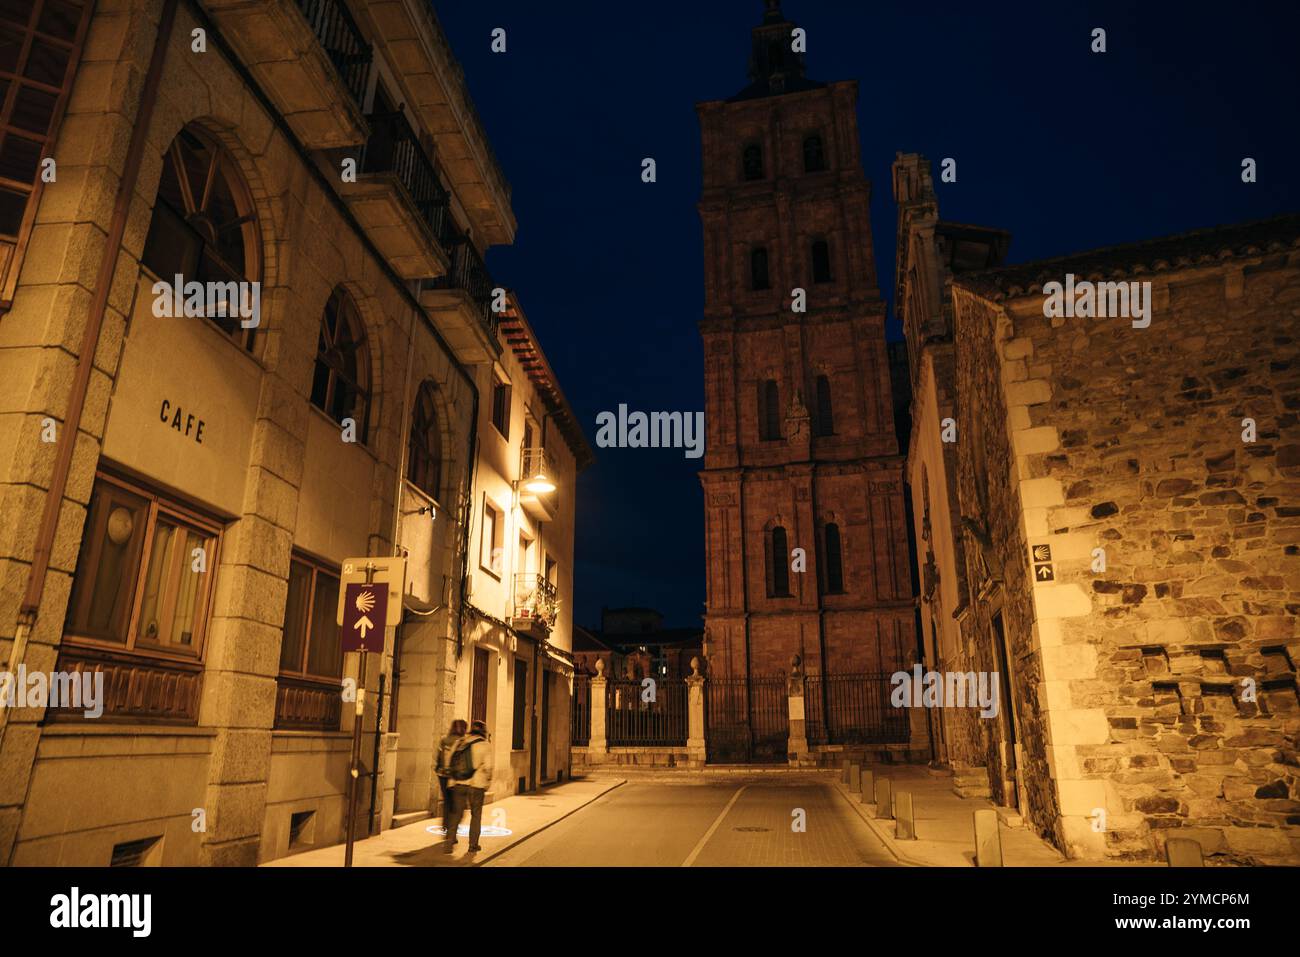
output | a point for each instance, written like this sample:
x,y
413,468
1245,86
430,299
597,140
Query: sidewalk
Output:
x,y
945,829
415,845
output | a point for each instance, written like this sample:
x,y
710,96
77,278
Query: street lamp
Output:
x,y
539,483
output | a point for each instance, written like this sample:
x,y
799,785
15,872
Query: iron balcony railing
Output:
x,y
535,599
342,41
394,148
469,273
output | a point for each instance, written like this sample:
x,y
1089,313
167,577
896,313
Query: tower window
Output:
x,y
814,159
832,560
752,162
758,269
769,411
821,261
778,572
825,415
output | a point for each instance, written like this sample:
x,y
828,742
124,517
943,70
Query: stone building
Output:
x,y
1127,481
806,534
930,252
518,637
182,478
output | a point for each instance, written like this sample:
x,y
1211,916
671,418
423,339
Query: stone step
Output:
x,y
1010,817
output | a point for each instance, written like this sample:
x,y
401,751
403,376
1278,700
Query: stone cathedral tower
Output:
x,y
801,448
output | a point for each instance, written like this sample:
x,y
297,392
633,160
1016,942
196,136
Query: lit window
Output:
x,y
310,647
144,573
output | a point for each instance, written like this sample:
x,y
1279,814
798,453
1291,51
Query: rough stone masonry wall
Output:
x,y
1134,438
988,490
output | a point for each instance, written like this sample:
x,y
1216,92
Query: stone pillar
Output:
x,y
597,749
918,740
696,745
797,748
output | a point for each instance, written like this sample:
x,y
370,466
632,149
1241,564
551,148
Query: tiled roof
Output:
x,y
1168,254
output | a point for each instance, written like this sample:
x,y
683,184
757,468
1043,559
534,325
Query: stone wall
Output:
x,y
1168,679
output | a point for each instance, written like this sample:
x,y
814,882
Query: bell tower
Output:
x,y
806,540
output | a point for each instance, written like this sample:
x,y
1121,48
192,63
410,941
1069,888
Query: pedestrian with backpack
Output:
x,y
442,767
471,773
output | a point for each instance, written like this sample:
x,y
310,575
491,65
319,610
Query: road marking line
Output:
x,y
713,827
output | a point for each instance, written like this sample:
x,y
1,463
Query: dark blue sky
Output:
x,y
1067,149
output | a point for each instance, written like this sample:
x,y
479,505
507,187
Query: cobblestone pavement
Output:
x,y
708,821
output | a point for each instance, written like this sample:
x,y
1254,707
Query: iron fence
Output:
x,y
580,720
747,719
640,714
853,709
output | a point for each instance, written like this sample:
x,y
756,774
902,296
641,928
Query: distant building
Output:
x,y
633,643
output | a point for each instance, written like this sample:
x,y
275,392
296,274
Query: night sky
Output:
x,y
1067,149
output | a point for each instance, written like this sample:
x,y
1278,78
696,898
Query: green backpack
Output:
x,y
462,761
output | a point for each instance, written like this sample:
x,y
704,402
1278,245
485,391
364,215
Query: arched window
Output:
x,y
825,417
758,269
778,571
814,159
424,449
204,228
821,261
752,161
341,384
769,411
832,560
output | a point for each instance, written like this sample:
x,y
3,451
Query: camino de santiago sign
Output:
x,y
365,612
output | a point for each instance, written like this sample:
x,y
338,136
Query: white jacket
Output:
x,y
481,757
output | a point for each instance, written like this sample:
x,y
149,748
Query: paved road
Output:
x,y
710,822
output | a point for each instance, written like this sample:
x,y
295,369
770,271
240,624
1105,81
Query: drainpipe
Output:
x,y
89,340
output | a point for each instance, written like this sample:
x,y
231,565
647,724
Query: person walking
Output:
x,y
442,767
471,773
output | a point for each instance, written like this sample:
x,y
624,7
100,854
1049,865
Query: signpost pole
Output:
x,y
354,777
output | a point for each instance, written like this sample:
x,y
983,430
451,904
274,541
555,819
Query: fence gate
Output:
x,y
645,713
746,720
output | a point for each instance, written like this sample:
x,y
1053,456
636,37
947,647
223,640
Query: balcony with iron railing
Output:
x,y
460,303
310,57
399,200
409,33
535,605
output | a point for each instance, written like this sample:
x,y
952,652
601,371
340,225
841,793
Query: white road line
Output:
x,y
690,859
